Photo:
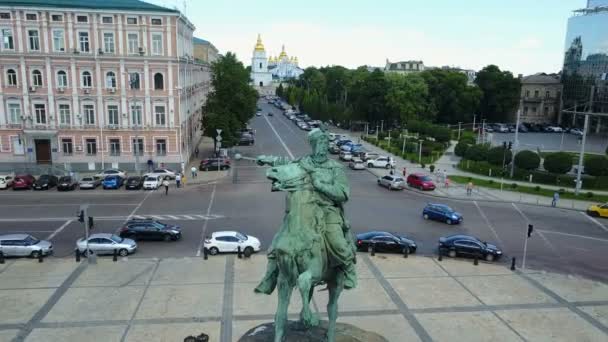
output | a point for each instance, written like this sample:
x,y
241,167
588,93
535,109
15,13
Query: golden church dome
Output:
x,y
259,46
283,53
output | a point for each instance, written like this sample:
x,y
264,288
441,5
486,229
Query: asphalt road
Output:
x,y
563,240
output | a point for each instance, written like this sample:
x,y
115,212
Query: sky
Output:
x,y
522,36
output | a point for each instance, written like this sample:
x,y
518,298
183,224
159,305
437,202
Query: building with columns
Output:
x,y
87,85
540,98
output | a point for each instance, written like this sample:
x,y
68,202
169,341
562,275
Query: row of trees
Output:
x,y
436,95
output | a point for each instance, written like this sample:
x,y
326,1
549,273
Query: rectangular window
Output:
x,y
138,146
91,146
527,93
113,115
156,21
57,17
11,78
37,78
86,79
546,110
64,114
132,20
107,20
115,147
82,19
89,114
133,43
134,80
159,114
161,147
40,111
34,40
5,15
525,110
58,41
31,16
67,146
157,43
14,113
7,39
536,93
547,94
108,42
62,79
136,115
83,39
533,109
18,148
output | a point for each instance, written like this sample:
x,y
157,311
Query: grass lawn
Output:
x,y
529,190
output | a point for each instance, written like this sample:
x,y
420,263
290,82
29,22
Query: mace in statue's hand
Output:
x,y
263,160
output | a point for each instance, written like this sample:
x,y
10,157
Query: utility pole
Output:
x,y
377,133
516,143
420,153
218,140
382,125
459,127
83,217
474,116
581,156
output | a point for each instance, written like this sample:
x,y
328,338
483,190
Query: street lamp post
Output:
x,y
377,137
420,152
516,142
581,156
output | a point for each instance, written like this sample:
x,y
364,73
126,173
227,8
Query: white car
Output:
x,y
357,164
6,181
576,131
384,162
104,243
112,172
165,173
153,182
555,129
230,241
346,156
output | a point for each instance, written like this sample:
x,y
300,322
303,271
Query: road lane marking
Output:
x,y
573,235
172,217
598,223
133,212
58,230
485,218
189,217
280,139
204,229
65,204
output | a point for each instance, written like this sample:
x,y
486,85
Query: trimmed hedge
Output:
x,y
461,148
527,160
477,152
596,166
498,155
558,162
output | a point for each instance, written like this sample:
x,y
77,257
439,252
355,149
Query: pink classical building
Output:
x,y
87,85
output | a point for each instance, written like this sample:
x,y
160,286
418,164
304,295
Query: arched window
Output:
x,y
86,79
110,80
62,79
11,76
159,83
37,78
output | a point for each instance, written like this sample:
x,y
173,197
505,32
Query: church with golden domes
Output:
x,y
266,72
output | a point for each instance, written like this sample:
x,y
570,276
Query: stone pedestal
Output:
x,y
296,333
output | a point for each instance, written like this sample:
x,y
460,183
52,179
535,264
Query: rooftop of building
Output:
x,y
119,5
540,78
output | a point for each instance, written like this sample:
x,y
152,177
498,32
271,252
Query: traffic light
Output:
x,y
510,145
530,229
80,216
91,223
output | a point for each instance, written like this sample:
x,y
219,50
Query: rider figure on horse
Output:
x,y
332,191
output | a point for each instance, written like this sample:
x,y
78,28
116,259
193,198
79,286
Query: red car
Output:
x,y
23,182
420,181
213,164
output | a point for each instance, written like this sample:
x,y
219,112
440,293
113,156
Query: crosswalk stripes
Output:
x,y
180,217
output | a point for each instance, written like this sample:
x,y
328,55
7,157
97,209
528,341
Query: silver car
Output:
x,y
24,245
392,182
104,243
89,182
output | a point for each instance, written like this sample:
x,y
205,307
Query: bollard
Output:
x,y
440,256
239,252
77,253
406,251
1,257
476,261
115,255
373,249
205,253
40,257
513,264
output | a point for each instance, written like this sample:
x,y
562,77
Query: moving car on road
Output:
x,y
89,183
24,181
112,172
392,182
369,155
598,210
469,246
6,181
213,164
441,212
246,139
384,162
24,245
149,229
67,183
356,164
576,131
104,243
153,182
112,182
270,114
45,182
420,181
230,241
385,242
134,183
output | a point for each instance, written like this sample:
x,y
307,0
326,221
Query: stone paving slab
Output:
x,y
182,301
18,306
573,288
393,267
419,293
248,303
466,326
394,327
504,289
32,274
92,333
551,325
369,295
172,332
190,271
599,312
8,335
124,272
465,267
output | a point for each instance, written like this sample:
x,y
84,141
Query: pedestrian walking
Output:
x,y
166,185
555,199
447,182
184,180
193,171
150,165
392,172
178,180
404,171
196,151
469,188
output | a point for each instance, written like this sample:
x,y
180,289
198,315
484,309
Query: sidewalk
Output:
x,y
413,299
206,150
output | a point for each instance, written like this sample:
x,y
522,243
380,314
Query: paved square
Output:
x,y
94,333
32,274
394,267
392,327
573,288
599,312
466,326
190,271
172,332
8,335
464,267
124,272
369,295
182,301
419,293
504,289
551,325
248,303
250,270
18,306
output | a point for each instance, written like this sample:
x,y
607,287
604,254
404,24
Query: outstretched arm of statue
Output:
x,y
272,160
334,185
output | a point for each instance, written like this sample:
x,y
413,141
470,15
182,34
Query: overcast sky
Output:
x,y
522,36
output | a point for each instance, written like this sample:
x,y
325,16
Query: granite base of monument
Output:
x,y
295,332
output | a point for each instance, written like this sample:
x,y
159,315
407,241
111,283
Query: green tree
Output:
x,y
596,165
405,96
499,155
501,93
477,152
527,160
558,162
280,92
461,148
450,95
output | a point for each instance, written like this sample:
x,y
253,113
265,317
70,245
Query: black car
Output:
x,y
149,229
214,164
270,114
67,183
469,246
45,182
134,183
246,139
385,242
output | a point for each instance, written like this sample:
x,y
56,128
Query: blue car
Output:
x,y
441,212
112,182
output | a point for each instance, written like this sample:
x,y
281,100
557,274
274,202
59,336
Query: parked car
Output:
x,y
134,183
385,162
270,114
385,242
24,181
341,142
258,114
67,183
112,182
6,181
153,182
369,155
469,246
246,139
441,212
89,183
165,173
500,128
576,131
420,181
112,172
334,149
213,164
45,182
104,243
522,128
357,164
149,229
24,245
229,241
598,210
392,182
346,156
